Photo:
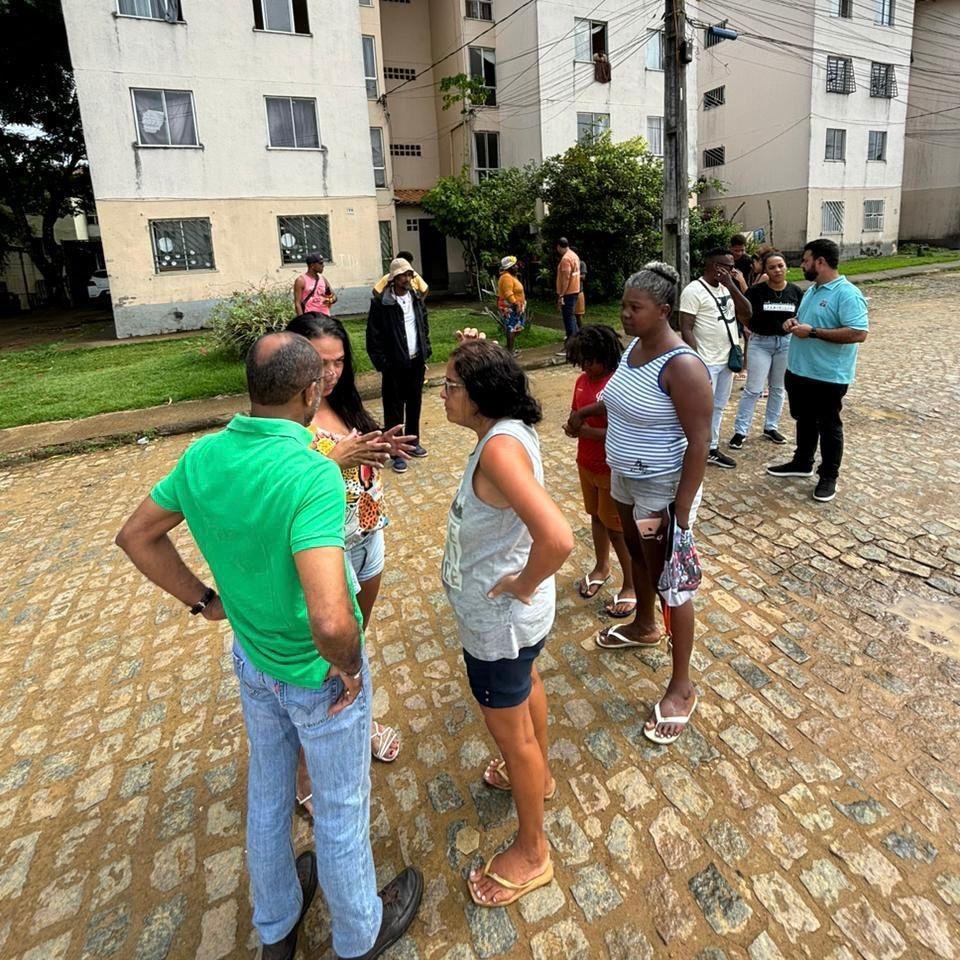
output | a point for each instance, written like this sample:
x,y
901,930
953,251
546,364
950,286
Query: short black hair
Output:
x,y
495,382
826,249
716,253
596,342
563,242
738,240
404,255
279,366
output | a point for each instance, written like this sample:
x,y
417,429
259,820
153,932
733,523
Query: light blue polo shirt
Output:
x,y
835,304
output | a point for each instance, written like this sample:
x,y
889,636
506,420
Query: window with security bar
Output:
x,y
840,75
836,146
877,145
483,66
872,215
883,12
831,216
168,10
715,157
592,125
883,80
842,8
716,97
300,235
165,118
480,9
292,123
182,245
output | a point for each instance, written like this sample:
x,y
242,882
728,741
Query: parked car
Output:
x,y
98,286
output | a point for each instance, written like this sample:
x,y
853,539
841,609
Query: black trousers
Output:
x,y
403,396
816,406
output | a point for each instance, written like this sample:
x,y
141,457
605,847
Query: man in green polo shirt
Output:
x,y
267,513
830,324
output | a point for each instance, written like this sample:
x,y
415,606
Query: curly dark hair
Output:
x,y
595,342
345,399
495,382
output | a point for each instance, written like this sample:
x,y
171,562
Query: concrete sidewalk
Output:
x,y
37,440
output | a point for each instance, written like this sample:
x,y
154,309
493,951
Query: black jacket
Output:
x,y
386,334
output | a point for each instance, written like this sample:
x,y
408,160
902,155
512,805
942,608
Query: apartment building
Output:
x,y
223,145
802,119
931,177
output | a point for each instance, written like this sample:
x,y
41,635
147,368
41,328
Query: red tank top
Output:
x,y
314,298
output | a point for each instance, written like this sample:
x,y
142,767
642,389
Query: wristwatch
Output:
x,y
813,333
209,595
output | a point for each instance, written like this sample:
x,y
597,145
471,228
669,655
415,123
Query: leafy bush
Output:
x,y
246,315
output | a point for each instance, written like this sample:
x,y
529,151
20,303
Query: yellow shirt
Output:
x,y
417,283
510,291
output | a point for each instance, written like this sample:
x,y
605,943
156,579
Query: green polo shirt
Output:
x,y
253,495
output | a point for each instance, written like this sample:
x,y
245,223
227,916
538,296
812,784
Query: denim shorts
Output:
x,y
649,495
513,320
367,556
502,683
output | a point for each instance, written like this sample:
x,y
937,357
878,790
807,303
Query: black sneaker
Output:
x,y
719,459
790,469
401,899
774,436
418,451
826,490
307,874
736,441
399,465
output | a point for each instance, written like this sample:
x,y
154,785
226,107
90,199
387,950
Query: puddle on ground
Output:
x,y
935,625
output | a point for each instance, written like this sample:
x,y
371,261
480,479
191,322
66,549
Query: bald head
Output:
x,y
279,366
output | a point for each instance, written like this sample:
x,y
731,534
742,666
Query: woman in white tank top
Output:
x,y
505,541
658,405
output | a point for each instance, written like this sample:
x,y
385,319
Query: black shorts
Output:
x,y
502,683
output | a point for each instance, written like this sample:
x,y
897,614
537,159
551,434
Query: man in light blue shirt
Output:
x,y
827,331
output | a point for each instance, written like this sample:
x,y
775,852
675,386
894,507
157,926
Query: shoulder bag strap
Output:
x,y
309,297
723,316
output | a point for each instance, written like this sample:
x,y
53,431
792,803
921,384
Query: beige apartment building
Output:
x,y
226,138
931,174
802,119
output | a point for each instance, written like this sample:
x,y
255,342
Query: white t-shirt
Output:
x,y
409,322
713,343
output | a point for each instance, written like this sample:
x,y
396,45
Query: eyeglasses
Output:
x,y
451,384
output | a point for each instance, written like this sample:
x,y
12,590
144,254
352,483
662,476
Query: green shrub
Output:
x,y
246,315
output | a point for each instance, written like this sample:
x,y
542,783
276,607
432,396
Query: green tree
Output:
x,y
709,229
483,216
43,170
606,198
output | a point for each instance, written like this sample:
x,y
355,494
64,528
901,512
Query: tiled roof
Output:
x,y
410,197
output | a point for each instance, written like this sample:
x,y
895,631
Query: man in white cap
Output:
x,y
398,342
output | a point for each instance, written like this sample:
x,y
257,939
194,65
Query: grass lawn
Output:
x,y
52,383
851,268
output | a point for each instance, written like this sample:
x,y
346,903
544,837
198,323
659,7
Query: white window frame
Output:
x,y
316,118
873,221
145,16
378,132
884,12
479,6
370,79
835,209
827,145
882,138
491,89
166,120
654,50
186,268
599,124
650,142
583,25
484,172
293,21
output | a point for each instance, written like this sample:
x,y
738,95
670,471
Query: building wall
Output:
x,y
931,181
235,178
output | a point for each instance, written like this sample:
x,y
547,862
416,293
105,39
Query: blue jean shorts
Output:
x,y
367,556
502,683
513,321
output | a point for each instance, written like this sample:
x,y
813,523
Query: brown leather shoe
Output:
x,y
401,900
307,874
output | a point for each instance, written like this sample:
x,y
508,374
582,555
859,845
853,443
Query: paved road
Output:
x,y
810,811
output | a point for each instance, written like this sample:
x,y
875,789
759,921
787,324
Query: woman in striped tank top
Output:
x,y
658,405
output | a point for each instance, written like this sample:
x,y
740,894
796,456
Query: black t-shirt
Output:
x,y
772,307
744,264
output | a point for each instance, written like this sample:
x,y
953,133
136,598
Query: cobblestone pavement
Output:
x,y
809,811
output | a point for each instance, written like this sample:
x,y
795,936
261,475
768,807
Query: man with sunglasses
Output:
x,y
267,513
710,307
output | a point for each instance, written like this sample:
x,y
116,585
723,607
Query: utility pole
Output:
x,y
677,53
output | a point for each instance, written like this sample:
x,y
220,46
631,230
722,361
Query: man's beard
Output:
x,y
810,274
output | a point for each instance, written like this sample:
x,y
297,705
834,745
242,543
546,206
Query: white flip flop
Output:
x,y
660,718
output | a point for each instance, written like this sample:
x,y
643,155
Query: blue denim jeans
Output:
x,y
567,311
768,363
281,718
721,379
